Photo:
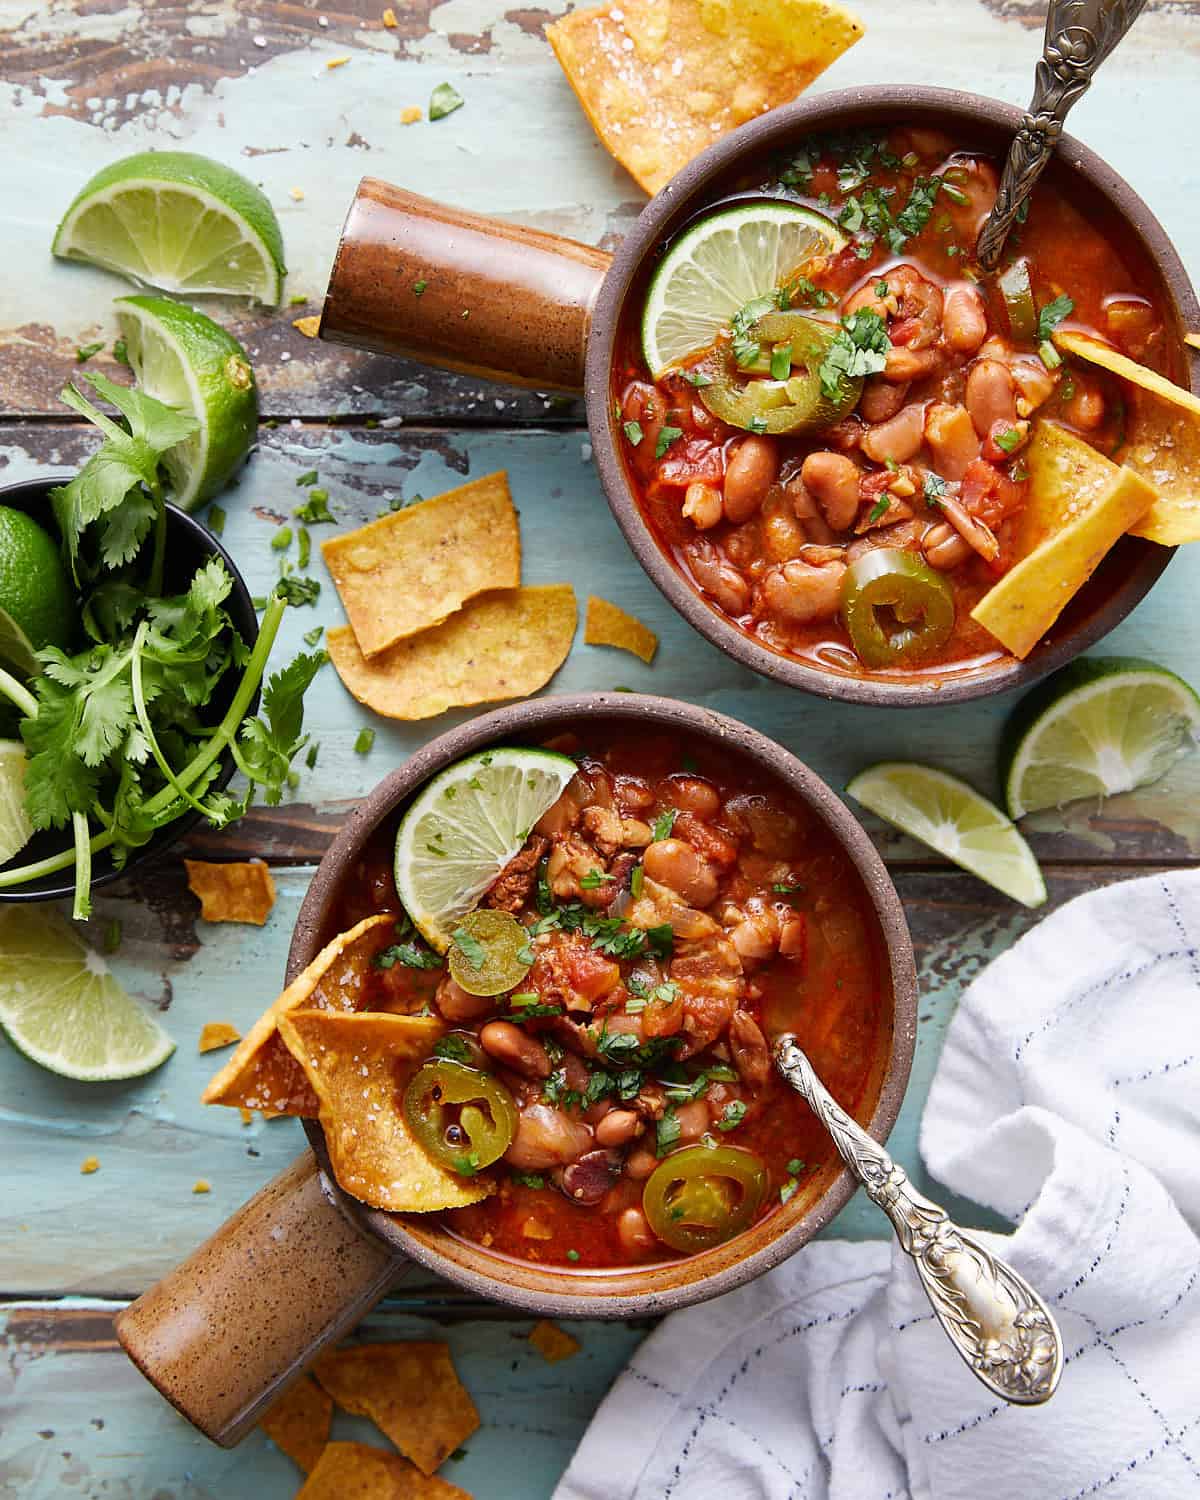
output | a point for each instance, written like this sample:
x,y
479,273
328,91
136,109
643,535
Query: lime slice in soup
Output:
x,y
464,826
1096,728
719,265
953,819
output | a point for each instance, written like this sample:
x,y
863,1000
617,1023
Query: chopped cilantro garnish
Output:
x,y
781,361
697,377
1050,316
786,887
572,1255
637,881
470,947
121,353
531,1012
914,216
303,547
667,1132
85,352
453,1048
444,100
860,347
313,636
308,477
879,509
298,591
593,880
663,824
666,436
418,287
757,423
933,487
282,539
315,510
1009,440
633,431
735,1113
528,1179
523,997
364,741
411,955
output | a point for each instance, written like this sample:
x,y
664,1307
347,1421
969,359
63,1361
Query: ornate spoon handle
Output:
x,y
1079,36
993,1317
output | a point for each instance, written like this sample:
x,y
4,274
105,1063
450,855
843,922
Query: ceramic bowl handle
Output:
x,y
224,1333
451,288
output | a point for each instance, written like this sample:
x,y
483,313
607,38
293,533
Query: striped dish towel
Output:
x,y
1067,1098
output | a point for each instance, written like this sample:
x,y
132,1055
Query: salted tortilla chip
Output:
x,y
552,1342
416,566
662,79
299,1422
1023,606
1164,448
1108,358
216,1034
262,1073
505,644
410,1391
232,892
354,1471
608,625
358,1067
1067,476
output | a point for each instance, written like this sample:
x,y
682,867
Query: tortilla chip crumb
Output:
x,y
411,115
297,194
201,1185
1193,339
246,1114
299,1422
609,625
307,326
338,62
389,18
552,1342
233,892
216,1034
89,1164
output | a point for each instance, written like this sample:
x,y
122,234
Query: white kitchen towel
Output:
x,y
1067,1098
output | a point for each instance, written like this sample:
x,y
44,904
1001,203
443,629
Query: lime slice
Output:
x,y
178,221
181,357
1098,727
37,602
954,819
720,264
15,828
464,826
62,1008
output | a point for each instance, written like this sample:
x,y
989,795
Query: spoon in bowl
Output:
x,y
993,1317
1079,36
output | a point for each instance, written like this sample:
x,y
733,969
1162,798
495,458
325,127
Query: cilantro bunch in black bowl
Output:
x,y
136,726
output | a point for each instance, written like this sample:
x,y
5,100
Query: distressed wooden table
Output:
x,y
85,81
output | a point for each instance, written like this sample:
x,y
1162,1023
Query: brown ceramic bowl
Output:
x,y
220,1339
546,312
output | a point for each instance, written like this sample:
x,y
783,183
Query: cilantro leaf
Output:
x,y
860,347
470,947
1052,314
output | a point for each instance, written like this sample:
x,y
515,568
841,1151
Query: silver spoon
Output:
x,y
993,1317
1079,36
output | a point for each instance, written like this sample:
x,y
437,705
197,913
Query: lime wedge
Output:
x,y
1098,727
37,602
178,221
181,357
15,828
464,826
61,1007
951,817
720,264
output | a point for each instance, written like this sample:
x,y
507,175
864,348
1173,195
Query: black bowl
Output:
x,y
189,545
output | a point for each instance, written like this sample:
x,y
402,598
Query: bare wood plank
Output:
x,y
80,1419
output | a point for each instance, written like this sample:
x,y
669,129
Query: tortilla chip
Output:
x,y
1104,355
1193,339
1164,448
354,1471
410,1391
552,1342
299,1422
1030,597
502,645
358,1066
217,1034
1067,476
262,1073
662,79
232,892
608,625
416,566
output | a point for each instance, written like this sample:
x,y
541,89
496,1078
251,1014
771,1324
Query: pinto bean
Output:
x,y
634,1232
832,479
702,505
952,439
784,536
514,1049
640,1163
619,1127
944,548
673,863
1085,409
906,364
799,592
881,400
991,395
808,513
899,439
964,319
692,1119
456,1005
717,577
749,474
691,794
749,1048
756,934
546,1137
587,1180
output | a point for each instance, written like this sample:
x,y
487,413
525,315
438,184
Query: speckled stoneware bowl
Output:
x,y
545,312
304,1260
